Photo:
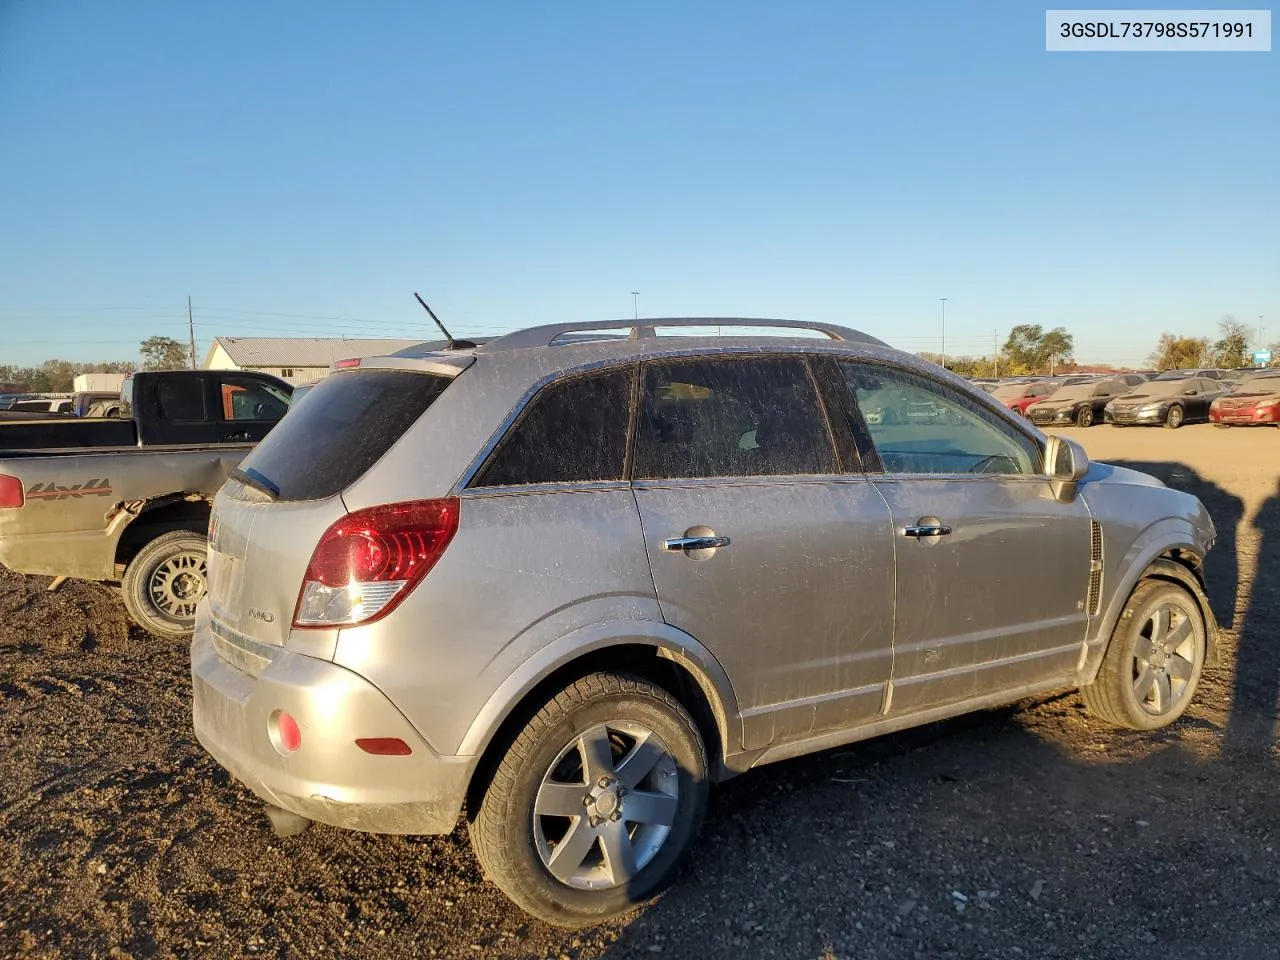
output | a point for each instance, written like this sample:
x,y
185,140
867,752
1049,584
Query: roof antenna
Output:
x,y
453,344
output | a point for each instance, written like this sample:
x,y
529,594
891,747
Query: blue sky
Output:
x,y
302,168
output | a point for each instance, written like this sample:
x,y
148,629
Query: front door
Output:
x,y
992,569
760,547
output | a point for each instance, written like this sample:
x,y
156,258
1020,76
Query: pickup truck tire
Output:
x,y
595,803
163,583
1153,663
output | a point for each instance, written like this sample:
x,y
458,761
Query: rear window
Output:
x,y
350,420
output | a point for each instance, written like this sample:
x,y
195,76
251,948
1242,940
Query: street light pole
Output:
x,y
943,300
635,303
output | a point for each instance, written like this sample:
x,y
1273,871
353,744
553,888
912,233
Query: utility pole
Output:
x,y
1262,344
635,303
191,333
995,353
944,330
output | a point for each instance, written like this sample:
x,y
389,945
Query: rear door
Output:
x,y
247,408
765,545
992,570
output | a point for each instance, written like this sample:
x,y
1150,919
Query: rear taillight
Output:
x,y
11,492
370,560
346,364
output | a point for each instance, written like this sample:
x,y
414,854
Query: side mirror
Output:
x,y
1066,463
1191,392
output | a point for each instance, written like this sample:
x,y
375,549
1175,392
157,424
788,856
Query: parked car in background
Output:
x,y
127,499
1208,373
1081,404
1020,395
1254,403
1132,380
43,405
757,571
300,392
1167,402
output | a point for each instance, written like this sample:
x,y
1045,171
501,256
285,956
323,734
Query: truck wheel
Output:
x,y
596,802
1153,663
164,582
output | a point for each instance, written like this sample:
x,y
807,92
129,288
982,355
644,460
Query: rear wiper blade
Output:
x,y
252,478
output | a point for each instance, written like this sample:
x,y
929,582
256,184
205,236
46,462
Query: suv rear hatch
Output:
x,y
286,497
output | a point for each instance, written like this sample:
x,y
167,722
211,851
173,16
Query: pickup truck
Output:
x,y
126,499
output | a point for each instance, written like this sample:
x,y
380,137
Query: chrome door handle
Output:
x,y
695,543
918,530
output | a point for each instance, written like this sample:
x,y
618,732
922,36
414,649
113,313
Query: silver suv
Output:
x,y
566,579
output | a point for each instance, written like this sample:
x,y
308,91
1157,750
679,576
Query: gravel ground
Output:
x,y
1025,832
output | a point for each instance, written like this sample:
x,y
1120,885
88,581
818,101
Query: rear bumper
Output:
x,y
328,778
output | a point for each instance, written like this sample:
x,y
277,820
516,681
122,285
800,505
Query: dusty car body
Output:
x,y
1255,403
1080,404
1165,402
93,498
571,580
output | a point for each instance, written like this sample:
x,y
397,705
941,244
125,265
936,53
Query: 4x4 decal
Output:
x,y
51,491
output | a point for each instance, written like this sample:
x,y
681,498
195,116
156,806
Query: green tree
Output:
x,y
163,353
1032,349
1232,347
1174,352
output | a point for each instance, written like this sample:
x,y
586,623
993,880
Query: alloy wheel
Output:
x,y
1164,659
606,806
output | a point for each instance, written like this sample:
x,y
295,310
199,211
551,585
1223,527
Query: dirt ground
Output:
x,y
1029,832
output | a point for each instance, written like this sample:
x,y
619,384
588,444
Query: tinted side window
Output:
x,y
181,398
731,418
919,426
574,430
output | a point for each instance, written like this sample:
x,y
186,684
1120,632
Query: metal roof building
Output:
x,y
296,359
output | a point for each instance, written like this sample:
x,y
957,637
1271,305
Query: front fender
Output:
x,y
1151,555
667,642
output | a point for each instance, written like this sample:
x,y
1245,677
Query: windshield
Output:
x,y
1266,382
1162,388
1076,391
1010,391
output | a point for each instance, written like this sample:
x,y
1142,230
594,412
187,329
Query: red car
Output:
x,y
1255,403
1019,396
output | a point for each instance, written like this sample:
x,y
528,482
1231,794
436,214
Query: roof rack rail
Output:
x,y
547,334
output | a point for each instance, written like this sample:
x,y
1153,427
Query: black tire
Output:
x,y
1175,418
1084,416
163,583
512,843
1113,696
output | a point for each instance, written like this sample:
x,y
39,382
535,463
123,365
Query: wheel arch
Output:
x,y
138,522
657,652
1178,562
